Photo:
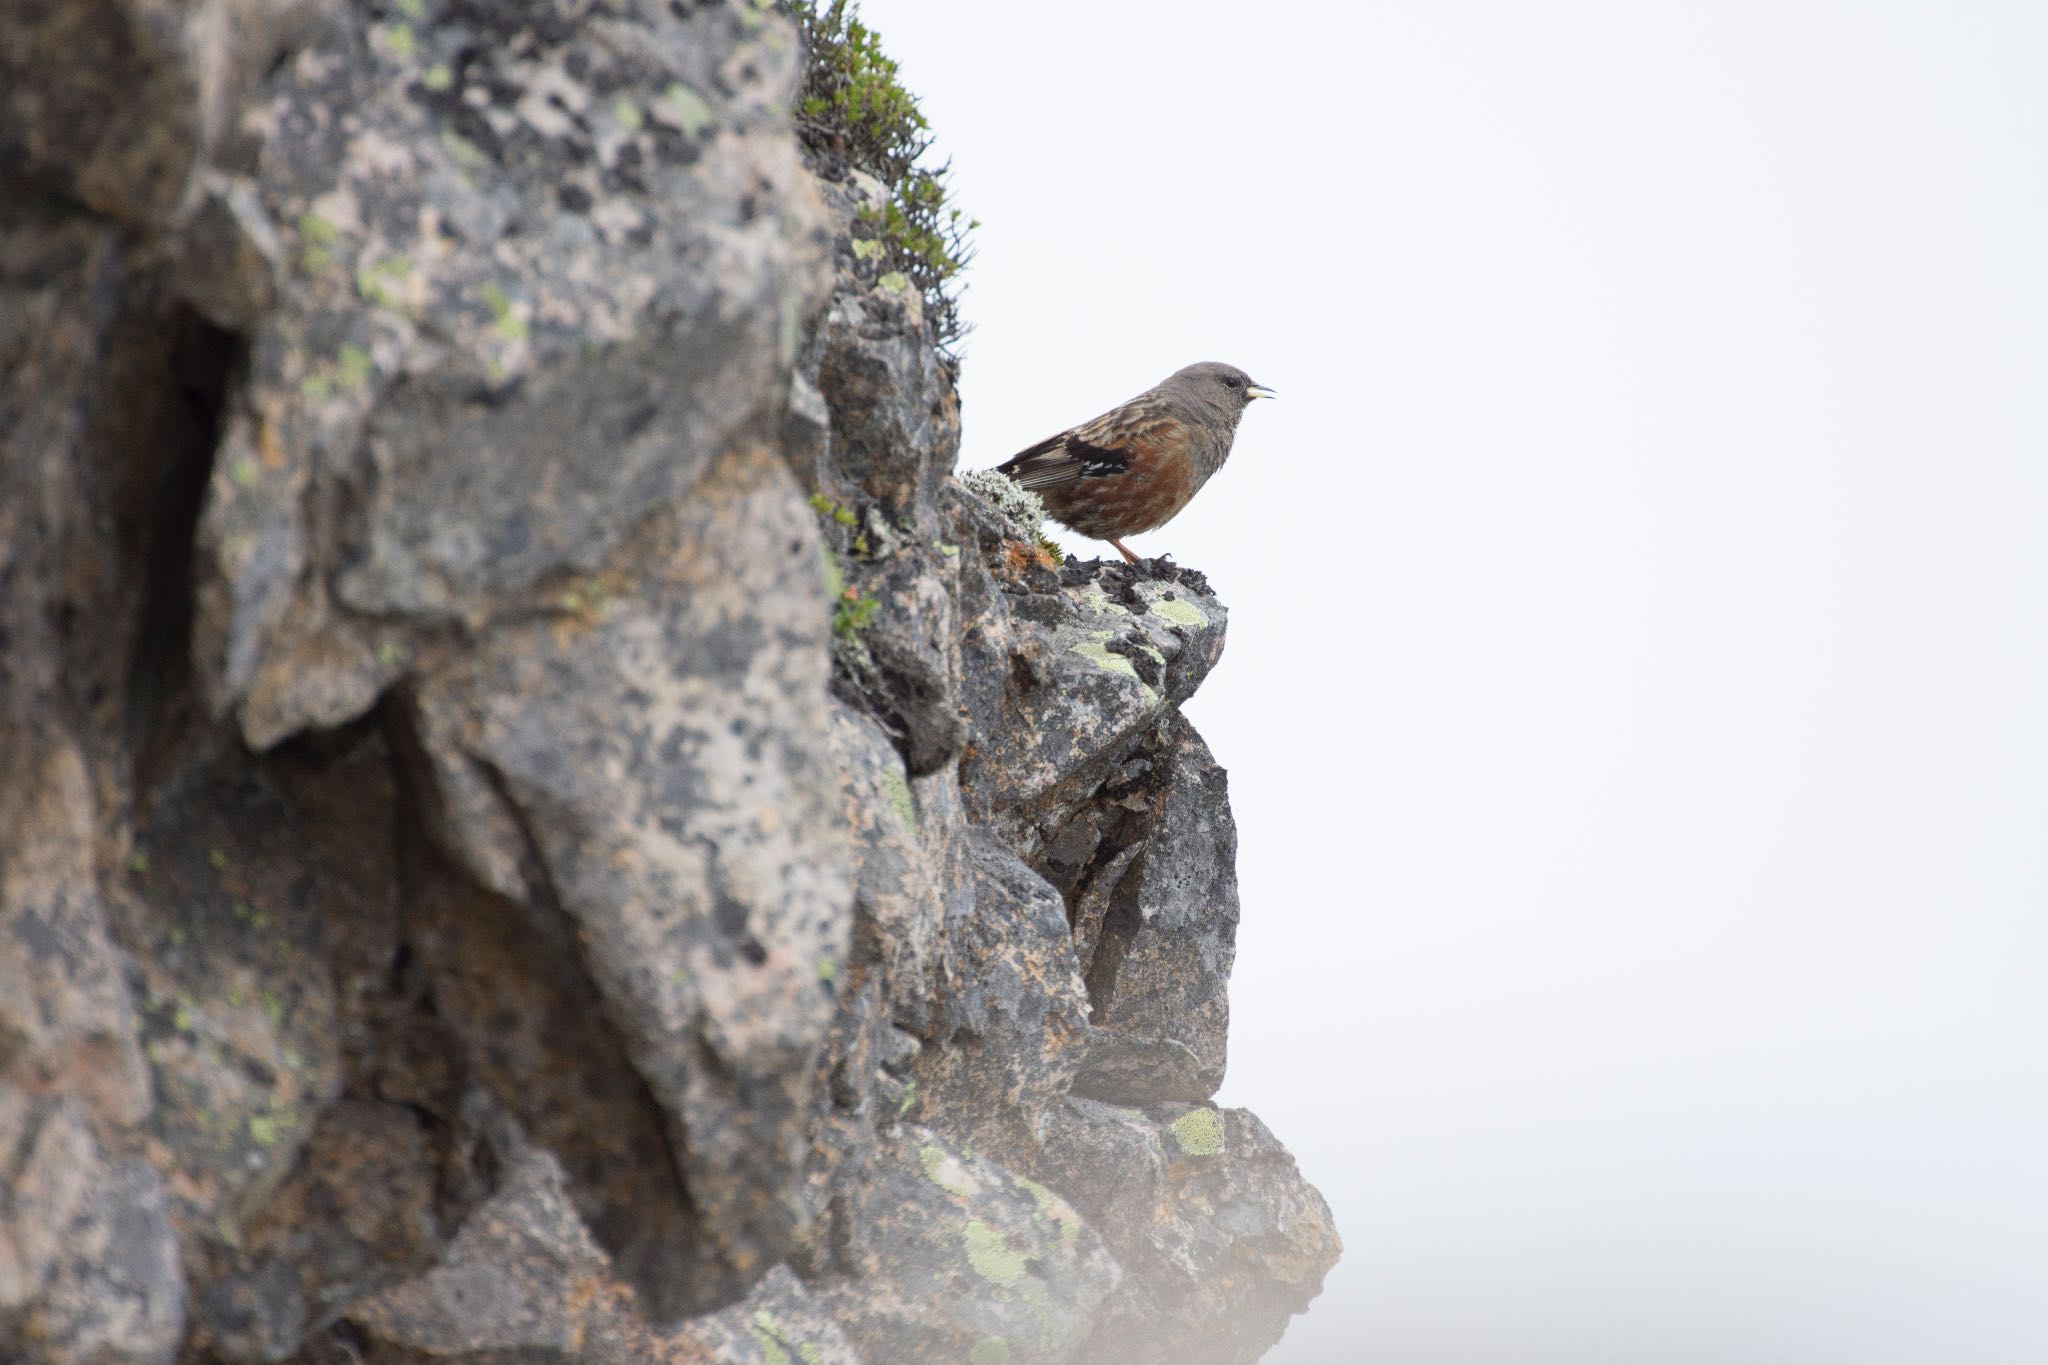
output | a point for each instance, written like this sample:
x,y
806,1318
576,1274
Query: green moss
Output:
x,y
853,613
909,1100
265,1129
138,863
991,1254
989,1351
896,787
853,108
825,507
218,858
391,654
1176,612
1199,1132
507,324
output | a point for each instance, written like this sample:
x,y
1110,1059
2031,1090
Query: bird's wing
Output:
x,y
1097,449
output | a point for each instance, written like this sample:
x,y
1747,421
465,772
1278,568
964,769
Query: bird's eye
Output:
x,y
1229,383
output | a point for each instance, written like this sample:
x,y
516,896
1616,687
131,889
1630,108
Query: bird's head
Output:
x,y
1216,385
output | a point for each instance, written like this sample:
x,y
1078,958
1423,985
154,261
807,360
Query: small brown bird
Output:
x,y
1133,468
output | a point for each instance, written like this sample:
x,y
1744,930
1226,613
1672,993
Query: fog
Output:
x,y
1639,638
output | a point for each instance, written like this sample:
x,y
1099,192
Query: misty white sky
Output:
x,y
1634,704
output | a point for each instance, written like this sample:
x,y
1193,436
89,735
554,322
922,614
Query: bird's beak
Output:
x,y
1259,391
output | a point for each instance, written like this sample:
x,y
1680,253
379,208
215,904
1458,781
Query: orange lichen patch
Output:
x,y
269,446
1019,557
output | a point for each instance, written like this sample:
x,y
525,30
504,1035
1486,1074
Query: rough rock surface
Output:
x,y
541,824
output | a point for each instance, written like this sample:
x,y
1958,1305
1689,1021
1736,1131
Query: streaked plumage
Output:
x,y
1133,468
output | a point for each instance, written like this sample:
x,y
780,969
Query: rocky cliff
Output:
x,y
538,822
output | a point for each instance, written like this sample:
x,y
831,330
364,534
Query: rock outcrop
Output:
x,y
539,823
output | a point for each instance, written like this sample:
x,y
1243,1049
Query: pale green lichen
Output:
x,y
265,1129
896,787
508,324
943,1170
245,472
400,42
809,1354
628,116
352,365
1176,612
684,108
138,863
992,1256
866,249
438,78
1199,1132
989,1351
895,282
380,282
1050,1205
1097,601
904,1105
1099,654
462,151
828,969
768,1332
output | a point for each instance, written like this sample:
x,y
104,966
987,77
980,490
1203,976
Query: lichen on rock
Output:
x,y
547,823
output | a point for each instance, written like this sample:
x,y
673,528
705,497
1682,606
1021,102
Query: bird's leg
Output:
x,y
1129,558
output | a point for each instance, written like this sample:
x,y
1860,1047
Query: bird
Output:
x,y
1133,468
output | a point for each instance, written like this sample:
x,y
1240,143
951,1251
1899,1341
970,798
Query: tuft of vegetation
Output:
x,y
854,109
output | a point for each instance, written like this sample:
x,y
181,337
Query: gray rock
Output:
x,y
1067,673
530,300
657,765
67,1023
89,1269
1013,1012
972,1263
473,891
1222,1239
1150,869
